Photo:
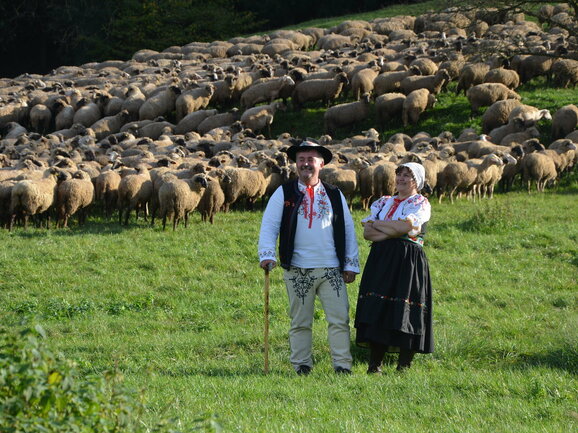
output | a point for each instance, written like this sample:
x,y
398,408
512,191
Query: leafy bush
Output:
x,y
43,392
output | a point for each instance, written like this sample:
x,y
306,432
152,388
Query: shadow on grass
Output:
x,y
561,359
93,227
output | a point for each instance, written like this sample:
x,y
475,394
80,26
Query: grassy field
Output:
x,y
180,315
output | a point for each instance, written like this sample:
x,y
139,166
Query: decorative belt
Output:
x,y
415,239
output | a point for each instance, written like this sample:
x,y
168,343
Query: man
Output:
x,y
317,249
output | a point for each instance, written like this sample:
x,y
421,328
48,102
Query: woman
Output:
x,y
394,307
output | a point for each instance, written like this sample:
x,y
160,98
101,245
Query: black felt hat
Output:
x,y
309,144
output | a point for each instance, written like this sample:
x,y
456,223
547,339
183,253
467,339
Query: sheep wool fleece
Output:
x,y
314,269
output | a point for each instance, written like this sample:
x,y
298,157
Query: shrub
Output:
x,y
43,392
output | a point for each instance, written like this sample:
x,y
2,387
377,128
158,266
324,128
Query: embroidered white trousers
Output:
x,y
302,287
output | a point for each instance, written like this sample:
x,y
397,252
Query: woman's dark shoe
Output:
x,y
374,369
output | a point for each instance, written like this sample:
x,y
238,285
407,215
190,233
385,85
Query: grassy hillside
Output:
x,y
180,314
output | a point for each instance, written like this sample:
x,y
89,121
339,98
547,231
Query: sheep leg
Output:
x,y
164,220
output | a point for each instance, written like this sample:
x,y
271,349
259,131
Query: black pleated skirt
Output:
x,y
394,306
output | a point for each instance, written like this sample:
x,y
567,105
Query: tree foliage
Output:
x,y
548,15
40,35
43,34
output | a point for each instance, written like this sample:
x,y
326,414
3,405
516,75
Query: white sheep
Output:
x,y
433,83
267,91
498,114
530,115
416,103
326,90
193,100
160,104
507,77
74,196
362,81
134,192
40,118
346,114
564,121
110,124
261,116
485,94
179,197
33,197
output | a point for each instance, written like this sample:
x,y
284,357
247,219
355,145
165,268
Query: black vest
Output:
x,y
291,203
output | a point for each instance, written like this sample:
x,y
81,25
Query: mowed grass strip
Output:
x,y
180,315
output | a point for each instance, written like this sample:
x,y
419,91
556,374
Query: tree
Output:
x,y
39,35
562,16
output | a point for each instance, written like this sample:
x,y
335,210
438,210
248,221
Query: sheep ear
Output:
x,y
518,121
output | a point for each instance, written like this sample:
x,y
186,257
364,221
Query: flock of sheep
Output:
x,y
169,132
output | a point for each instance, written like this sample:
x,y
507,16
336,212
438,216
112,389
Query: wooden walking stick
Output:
x,y
266,312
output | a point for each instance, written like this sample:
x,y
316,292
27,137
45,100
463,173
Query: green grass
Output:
x,y
451,113
180,315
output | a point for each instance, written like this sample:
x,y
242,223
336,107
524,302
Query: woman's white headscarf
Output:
x,y
418,173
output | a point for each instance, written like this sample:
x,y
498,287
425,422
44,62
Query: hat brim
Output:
x,y
325,153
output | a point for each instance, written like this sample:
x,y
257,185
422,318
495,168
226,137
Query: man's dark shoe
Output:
x,y
303,370
342,370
